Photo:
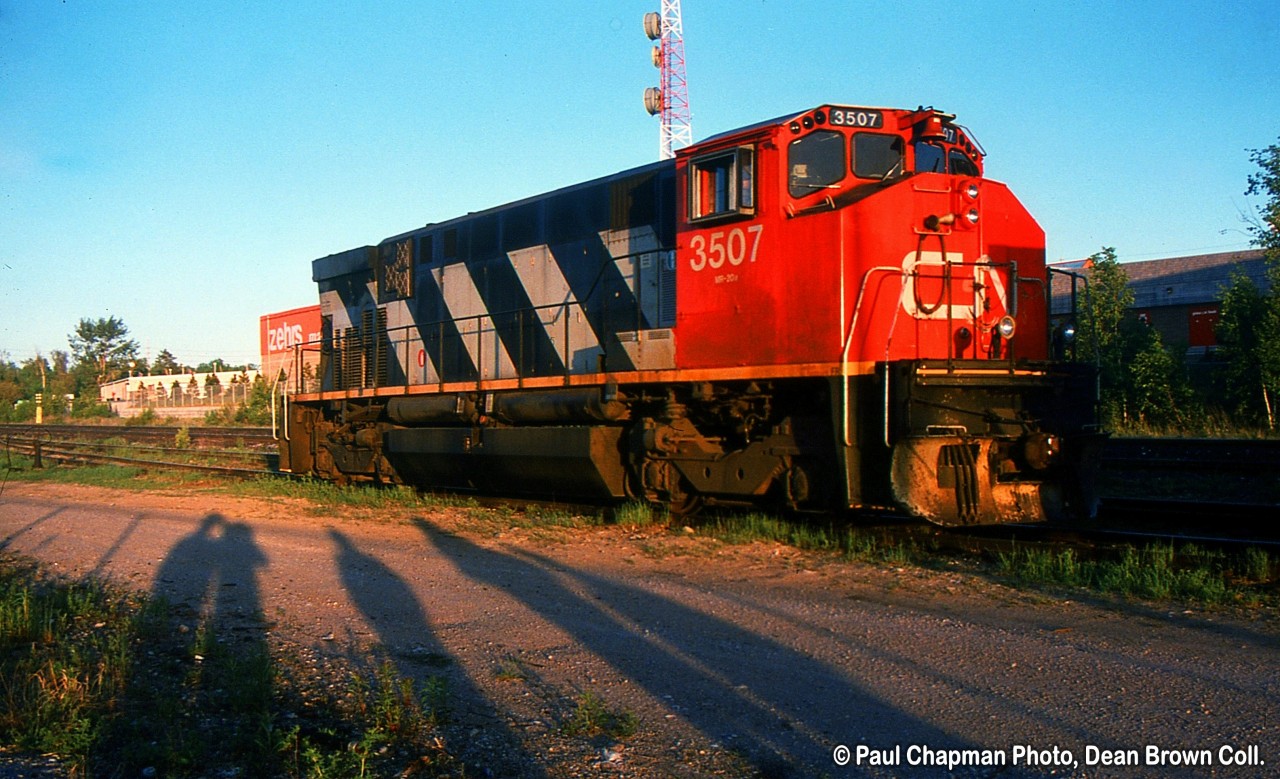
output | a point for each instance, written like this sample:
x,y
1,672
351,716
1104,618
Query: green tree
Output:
x,y
1105,310
1265,182
34,376
10,394
218,364
1249,323
13,391
1157,391
103,344
166,363
1240,332
1107,331
1139,379
60,360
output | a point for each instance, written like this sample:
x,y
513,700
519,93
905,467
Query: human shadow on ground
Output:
x,y
211,693
213,573
782,710
407,639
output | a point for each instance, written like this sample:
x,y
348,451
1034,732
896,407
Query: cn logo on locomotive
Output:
x,y
929,300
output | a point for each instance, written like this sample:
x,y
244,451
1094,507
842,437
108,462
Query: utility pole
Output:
x,y
670,99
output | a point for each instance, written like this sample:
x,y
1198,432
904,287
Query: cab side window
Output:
x,y
722,184
815,162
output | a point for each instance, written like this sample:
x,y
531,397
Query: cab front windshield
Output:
x,y
822,159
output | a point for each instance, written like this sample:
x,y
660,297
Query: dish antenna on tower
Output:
x,y
670,99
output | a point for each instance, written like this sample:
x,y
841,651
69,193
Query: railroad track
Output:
x,y
201,437
253,456
1121,519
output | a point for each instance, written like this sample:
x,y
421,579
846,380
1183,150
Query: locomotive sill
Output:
x,y
1001,382
962,372
754,371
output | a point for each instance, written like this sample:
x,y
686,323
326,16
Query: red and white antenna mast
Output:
x,y
671,97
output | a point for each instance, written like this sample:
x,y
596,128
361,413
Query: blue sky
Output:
x,y
179,165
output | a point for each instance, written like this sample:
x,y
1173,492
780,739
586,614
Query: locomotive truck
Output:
x,y
832,309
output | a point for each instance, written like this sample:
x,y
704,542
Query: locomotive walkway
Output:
x,y
728,657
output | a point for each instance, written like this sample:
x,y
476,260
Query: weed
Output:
x,y
1257,565
146,418
330,495
591,717
398,707
510,670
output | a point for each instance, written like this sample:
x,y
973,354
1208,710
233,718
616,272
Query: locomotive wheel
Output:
x,y
684,502
681,502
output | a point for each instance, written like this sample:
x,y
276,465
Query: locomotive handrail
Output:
x,y
400,337
274,435
1088,298
848,343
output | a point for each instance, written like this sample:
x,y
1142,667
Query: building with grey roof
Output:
x,y
1179,296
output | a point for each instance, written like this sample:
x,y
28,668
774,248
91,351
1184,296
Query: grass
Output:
x,y
109,682
1158,571
638,513
865,544
20,467
330,495
65,651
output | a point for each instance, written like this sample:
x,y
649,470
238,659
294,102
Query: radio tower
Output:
x,y
671,97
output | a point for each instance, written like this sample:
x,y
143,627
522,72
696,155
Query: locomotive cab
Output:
x,y
865,246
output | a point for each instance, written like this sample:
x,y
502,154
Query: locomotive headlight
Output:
x,y
1006,327
971,191
972,216
1041,450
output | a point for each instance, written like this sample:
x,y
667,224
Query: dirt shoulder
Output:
x,y
730,659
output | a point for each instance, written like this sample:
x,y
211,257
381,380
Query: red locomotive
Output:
x,y
830,309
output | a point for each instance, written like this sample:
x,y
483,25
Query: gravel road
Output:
x,y
734,659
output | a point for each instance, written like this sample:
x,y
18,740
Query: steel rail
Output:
x,y
55,452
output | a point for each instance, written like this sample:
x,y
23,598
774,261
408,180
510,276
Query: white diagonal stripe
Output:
x,y
559,312
407,345
471,317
